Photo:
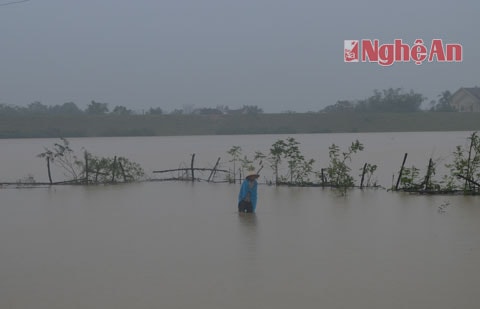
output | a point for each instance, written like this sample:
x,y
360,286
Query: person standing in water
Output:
x,y
247,197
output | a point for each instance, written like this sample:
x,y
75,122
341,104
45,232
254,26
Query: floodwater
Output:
x,y
182,244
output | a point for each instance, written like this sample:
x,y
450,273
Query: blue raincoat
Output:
x,y
245,189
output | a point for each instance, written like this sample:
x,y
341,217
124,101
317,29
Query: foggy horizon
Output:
x,y
277,55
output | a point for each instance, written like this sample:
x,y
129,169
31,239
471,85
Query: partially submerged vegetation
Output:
x,y
463,173
288,166
90,169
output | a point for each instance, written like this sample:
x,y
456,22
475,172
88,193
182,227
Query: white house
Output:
x,y
466,99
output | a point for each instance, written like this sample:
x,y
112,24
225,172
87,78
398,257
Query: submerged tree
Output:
x,y
410,178
235,152
246,164
109,170
367,174
287,150
63,156
465,169
338,171
93,169
299,169
275,157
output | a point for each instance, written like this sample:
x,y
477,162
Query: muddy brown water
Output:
x,y
182,245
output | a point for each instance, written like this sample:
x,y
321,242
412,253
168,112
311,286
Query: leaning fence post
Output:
x,y
468,163
428,175
363,175
214,170
401,171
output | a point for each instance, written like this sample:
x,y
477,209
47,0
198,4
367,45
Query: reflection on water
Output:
x,y
248,223
183,245
247,233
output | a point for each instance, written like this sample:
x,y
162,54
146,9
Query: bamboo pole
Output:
x,y
468,162
49,173
363,175
189,169
214,169
401,171
427,176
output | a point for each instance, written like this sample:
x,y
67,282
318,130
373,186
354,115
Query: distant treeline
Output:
x,y
393,100
388,100
98,108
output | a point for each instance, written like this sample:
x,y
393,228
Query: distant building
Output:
x,y
466,99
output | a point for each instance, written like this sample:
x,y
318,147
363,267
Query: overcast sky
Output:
x,y
279,55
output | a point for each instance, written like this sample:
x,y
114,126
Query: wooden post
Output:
x,y
401,171
363,176
427,176
114,165
468,164
191,167
86,166
214,169
49,173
